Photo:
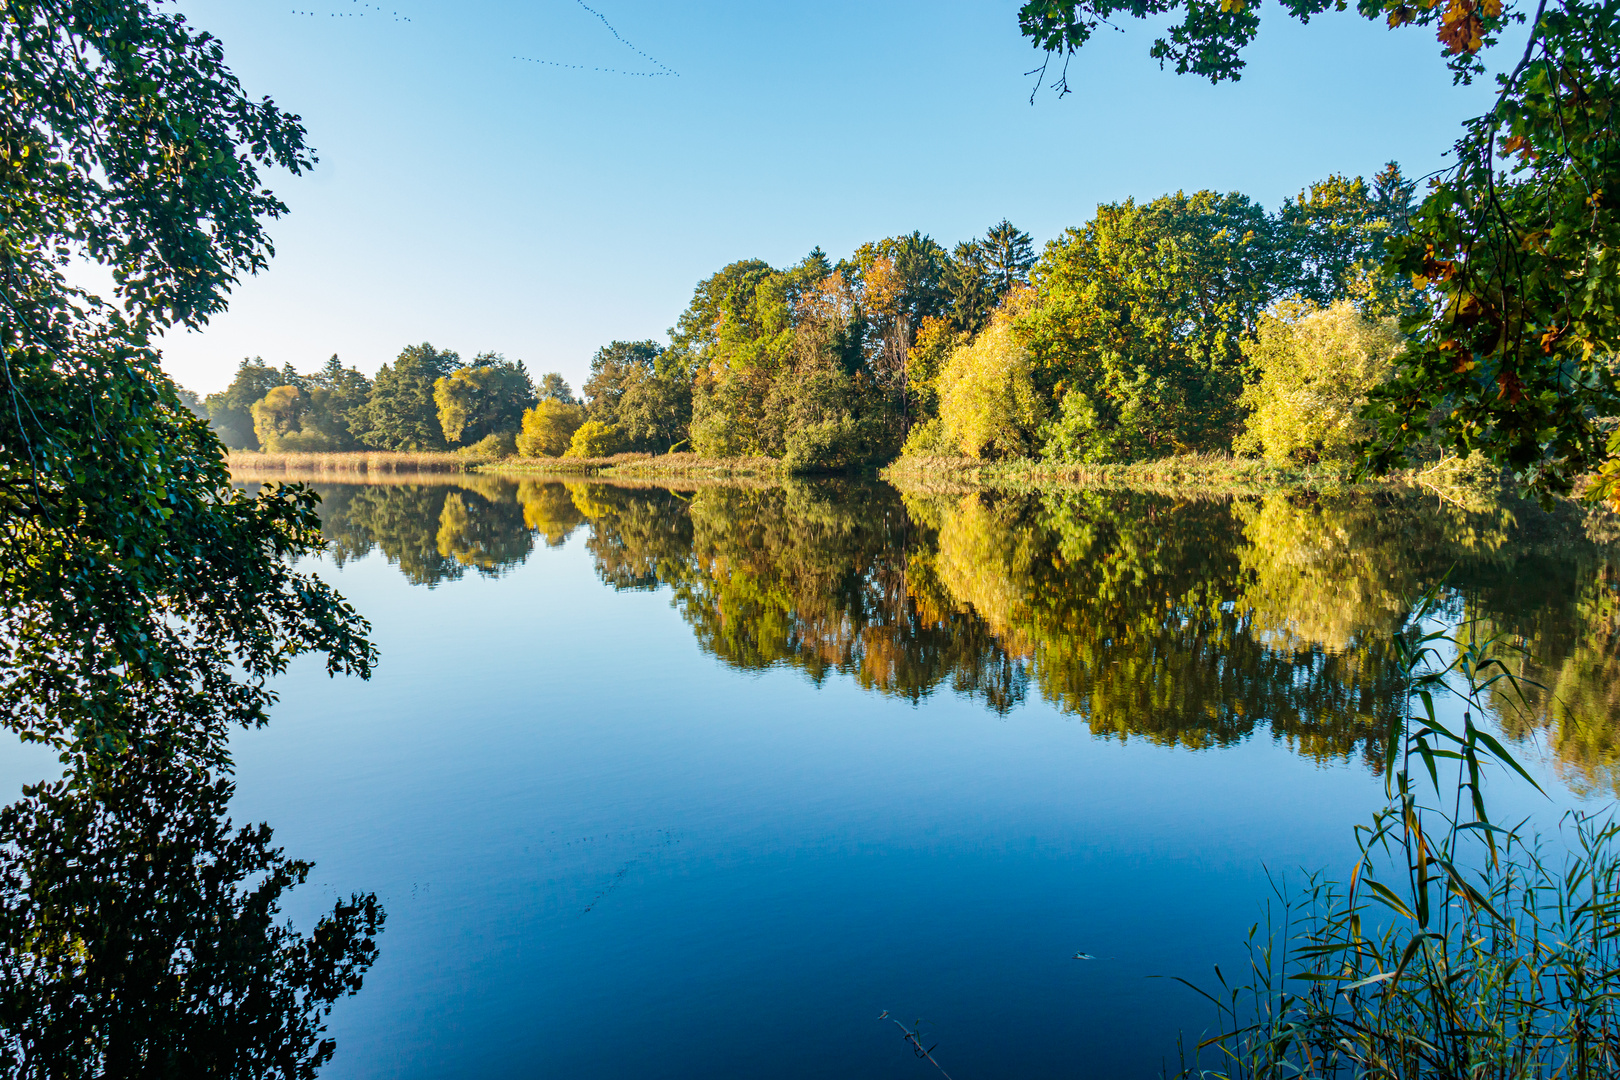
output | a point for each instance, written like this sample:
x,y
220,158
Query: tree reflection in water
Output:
x,y
139,933
1185,621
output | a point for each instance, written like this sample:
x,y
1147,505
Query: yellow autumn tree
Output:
x,y
1316,367
988,405
548,428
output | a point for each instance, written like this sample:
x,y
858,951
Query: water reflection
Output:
x,y
1193,622
140,934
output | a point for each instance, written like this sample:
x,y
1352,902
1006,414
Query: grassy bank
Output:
x,y
1189,472
642,465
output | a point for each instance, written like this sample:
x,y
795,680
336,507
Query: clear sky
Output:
x,y
483,202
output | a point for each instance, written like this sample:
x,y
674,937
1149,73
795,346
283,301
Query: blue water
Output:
x,y
606,852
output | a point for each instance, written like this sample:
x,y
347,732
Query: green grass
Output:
x,y
641,465
1187,472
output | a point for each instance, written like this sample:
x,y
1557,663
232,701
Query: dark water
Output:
x,y
698,781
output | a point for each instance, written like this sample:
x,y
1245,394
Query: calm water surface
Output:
x,y
698,781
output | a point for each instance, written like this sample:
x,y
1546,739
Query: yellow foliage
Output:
x,y
1316,369
987,400
548,428
594,439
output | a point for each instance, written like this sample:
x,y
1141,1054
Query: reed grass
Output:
x,y
372,461
643,465
1459,947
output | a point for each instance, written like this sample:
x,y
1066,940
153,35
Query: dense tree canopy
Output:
x,y
1513,245
230,411
487,397
402,413
1143,310
145,601
145,597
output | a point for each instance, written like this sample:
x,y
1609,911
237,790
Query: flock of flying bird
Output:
x,y
360,9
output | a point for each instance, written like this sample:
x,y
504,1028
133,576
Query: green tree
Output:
x,y
1008,254
401,413
230,411
988,403
146,600
594,439
655,411
488,397
725,301
549,427
1316,368
1333,241
614,367
277,415
1510,353
1142,311
553,387
969,287
336,395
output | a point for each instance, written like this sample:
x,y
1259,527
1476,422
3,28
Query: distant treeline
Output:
x,y
1189,323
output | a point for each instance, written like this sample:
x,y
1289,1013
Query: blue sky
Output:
x,y
483,202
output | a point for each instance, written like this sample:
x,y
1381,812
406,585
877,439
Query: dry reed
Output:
x,y
373,461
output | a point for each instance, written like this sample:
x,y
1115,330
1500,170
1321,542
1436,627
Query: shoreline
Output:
x,y
1203,474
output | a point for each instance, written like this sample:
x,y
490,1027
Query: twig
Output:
x,y
916,1044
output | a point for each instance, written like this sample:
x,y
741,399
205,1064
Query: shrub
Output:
x,y
1076,437
594,439
1316,367
501,444
548,428
723,410
987,399
814,420
927,439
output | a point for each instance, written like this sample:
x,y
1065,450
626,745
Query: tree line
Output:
x,y
1191,322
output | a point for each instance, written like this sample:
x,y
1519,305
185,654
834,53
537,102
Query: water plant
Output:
x,y
1459,947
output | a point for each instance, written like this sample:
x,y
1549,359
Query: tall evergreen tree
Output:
x,y
401,414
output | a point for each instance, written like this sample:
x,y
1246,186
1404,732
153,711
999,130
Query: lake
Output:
x,y
700,779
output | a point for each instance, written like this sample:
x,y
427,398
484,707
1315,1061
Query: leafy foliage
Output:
x,y
553,387
1143,311
988,404
594,439
1316,369
1513,246
142,592
146,600
230,410
402,413
549,428
485,398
